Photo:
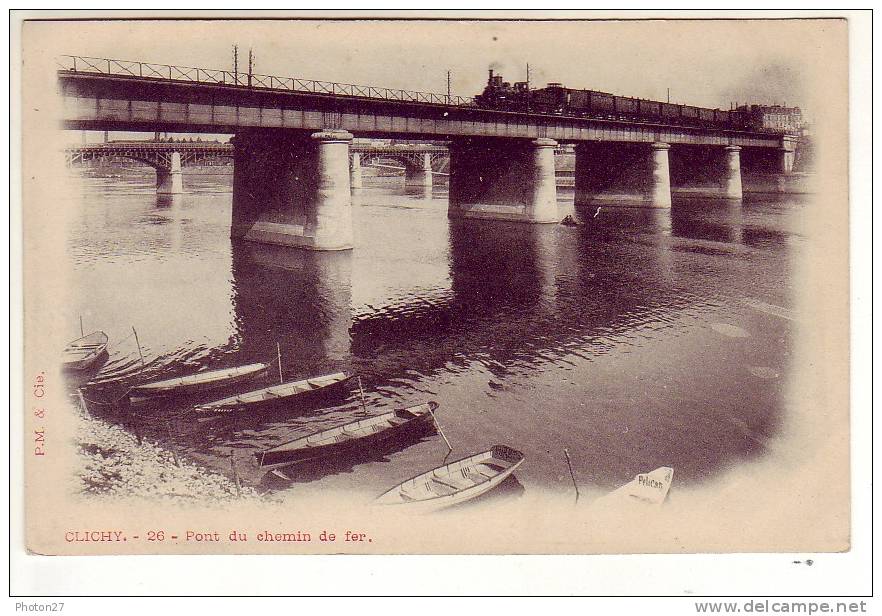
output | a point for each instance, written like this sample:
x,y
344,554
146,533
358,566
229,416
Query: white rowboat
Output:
x,y
82,352
456,482
647,488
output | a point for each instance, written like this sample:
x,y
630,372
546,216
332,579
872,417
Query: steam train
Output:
x,y
555,99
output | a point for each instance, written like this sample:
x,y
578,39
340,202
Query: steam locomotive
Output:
x,y
555,99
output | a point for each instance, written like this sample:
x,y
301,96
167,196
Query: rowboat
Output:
x,y
648,488
326,384
82,352
338,439
196,383
456,482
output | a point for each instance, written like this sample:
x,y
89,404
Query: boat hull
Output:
x,y
501,457
145,393
83,352
83,364
233,404
270,460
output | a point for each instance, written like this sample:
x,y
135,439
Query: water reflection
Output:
x,y
716,220
299,299
168,201
597,338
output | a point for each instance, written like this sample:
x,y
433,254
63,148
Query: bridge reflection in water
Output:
x,y
297,299
595,338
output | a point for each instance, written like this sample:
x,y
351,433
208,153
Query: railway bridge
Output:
x,y
420,162
292,158
166,158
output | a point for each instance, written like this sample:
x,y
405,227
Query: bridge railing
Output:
x,y
130,68
156,145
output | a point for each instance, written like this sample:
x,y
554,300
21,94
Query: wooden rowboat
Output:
x,y
267,396
368,431
82,352
647,488
195,383
456,482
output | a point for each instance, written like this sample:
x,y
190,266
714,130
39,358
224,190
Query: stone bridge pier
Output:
x,y
419,175
636,175
170,181
771,170
292,188
707,171
355,170
508,179
646,175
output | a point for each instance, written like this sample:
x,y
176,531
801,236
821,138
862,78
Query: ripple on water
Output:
x,y
522,334
763,372
733,331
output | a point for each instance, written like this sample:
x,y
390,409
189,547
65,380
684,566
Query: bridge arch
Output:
x,y
193,159
159,156
149,161
413,162
166,162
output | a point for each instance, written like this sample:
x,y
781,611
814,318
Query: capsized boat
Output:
x,y
274,394
196,383
649,488
361,433
82,352
456,482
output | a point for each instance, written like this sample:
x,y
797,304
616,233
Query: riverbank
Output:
x,y
112,463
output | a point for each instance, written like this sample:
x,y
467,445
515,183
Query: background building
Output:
x,y
775,117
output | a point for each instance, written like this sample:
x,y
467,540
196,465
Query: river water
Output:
x,y
645,338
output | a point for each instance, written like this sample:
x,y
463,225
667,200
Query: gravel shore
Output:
x,y
114,464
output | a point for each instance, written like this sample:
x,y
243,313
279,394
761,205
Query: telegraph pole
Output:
x,y
669,95
236,64
528,86
448,87
250,65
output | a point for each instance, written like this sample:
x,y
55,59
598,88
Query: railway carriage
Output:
x,y
721,117
625,105
706,115
556,99
579,99
689,113
647,108
600,102
670,110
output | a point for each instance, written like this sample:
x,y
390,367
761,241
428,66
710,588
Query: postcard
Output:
x,y
435,286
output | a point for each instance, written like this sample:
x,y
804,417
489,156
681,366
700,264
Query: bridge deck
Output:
x,y
113,102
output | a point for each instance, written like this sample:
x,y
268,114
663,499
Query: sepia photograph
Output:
x,y
435,285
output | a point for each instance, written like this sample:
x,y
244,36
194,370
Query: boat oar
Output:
x,y
138,342
572,474
440,431
363,405
278,473
279,354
